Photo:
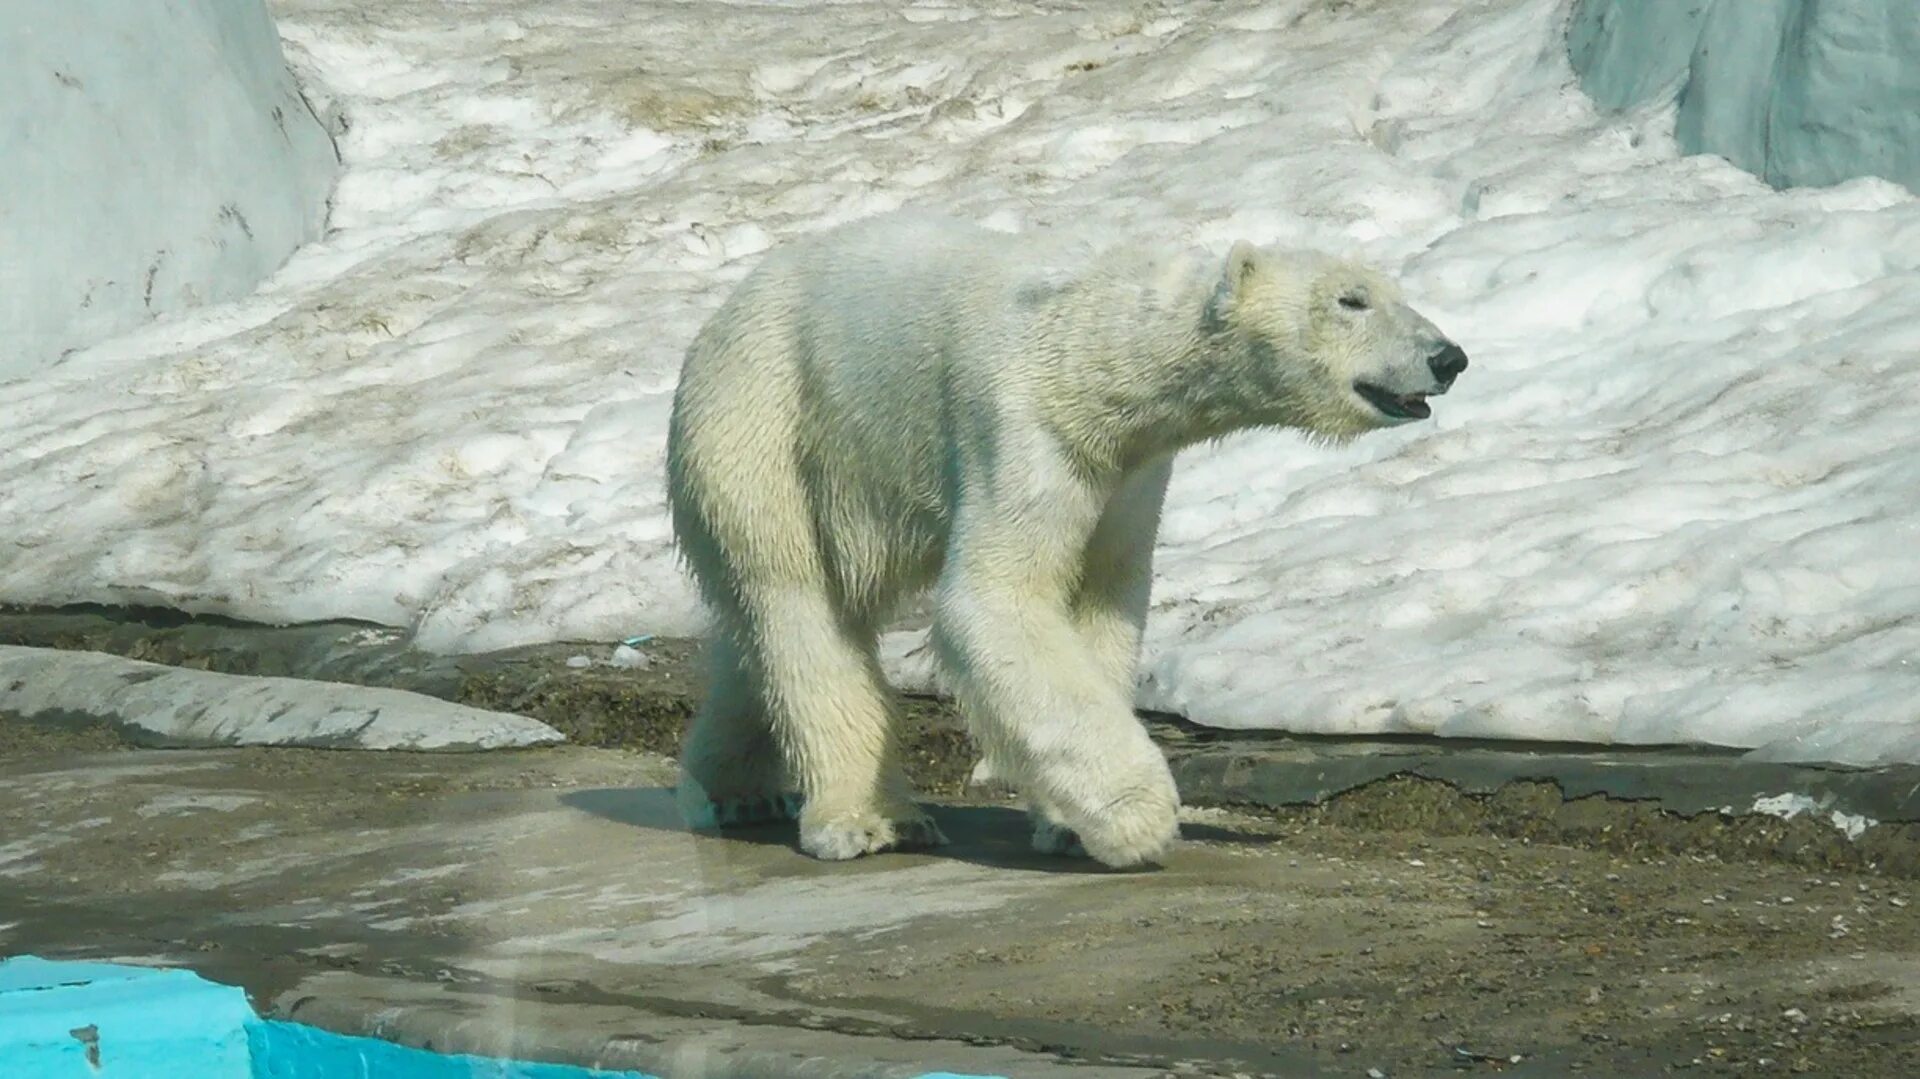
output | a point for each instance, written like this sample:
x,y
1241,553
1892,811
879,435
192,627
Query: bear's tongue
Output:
x,y
1415,404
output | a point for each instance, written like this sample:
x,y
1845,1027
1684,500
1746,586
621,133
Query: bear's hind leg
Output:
x,y
834,718
730,768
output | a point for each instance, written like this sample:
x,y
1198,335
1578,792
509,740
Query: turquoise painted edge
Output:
x,y
109,1021
32,972
169,1023
283,1050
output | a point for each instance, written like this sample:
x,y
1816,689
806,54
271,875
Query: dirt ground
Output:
x,y
1417,956
1400,929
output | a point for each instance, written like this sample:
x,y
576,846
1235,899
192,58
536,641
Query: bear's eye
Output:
x,y
1354,301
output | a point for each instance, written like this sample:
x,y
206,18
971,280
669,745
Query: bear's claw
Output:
x,y
703,813
734,812
1051,838
850,837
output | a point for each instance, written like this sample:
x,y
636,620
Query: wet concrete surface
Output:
x,y
1334,909
547,902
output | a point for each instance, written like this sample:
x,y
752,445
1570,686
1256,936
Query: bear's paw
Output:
x,y
838,838
1133,830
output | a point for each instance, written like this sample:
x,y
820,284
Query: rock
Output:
x,y
159,156
1628,51
1799,92
178,707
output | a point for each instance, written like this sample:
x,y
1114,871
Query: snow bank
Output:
x,y
1798,91
159,156
198,708
1672,500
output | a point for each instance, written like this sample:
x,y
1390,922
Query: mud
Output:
x,y
19,738
1539,812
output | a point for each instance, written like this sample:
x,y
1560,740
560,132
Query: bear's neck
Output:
x,y
1159,375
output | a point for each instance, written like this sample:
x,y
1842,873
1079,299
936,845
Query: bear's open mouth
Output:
x,y
1401,406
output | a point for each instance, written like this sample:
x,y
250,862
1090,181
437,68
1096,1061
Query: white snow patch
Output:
x,y
1671,501
628,658
1789,806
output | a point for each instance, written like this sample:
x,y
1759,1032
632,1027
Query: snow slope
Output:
x,y
1673,500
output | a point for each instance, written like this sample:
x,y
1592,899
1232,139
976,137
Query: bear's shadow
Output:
x,y
993,836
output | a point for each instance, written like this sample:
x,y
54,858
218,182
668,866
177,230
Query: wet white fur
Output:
x,y
911,401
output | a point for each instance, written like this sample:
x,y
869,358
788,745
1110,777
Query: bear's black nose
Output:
x,y
1448,362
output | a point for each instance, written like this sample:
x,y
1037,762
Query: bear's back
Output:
x,y
884,309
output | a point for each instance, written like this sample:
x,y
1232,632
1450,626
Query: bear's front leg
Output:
x,y
1041,698
1110,608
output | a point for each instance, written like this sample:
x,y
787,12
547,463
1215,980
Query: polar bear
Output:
x,y
914,401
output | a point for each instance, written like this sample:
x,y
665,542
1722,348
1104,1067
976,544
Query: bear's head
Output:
x,y
1332,341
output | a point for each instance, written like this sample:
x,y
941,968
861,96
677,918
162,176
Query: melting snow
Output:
x,y
1672,501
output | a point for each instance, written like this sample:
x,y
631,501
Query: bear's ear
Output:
x,y
1242,263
